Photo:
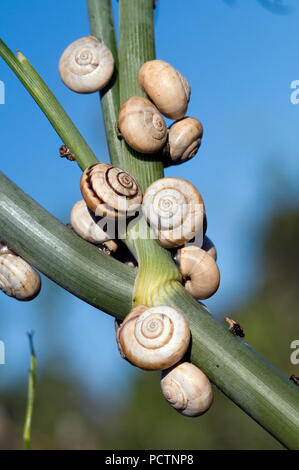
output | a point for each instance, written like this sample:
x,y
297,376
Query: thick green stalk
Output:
x,y
51,107
61,255
136,46
102,26
234,367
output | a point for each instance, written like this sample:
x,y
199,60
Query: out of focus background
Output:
x,y
240,59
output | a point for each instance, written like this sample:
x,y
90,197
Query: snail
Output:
x,y
141,125
85,224
86,65
187,389
199,270
166,87
110,192
184,139
153,338
17,278
174,209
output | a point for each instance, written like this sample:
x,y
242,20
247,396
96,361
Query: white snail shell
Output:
x,y
199,270
166,87
85,224
184,139
86,65
187,389
174,209
110,192
154,338
141,125
17,278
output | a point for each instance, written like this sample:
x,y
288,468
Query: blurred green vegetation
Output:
x,y
65,417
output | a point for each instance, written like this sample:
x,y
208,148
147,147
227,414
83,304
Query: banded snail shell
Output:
x,y
187,389
154,338
86,65
110,192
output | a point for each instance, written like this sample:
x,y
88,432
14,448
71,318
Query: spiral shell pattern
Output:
x,y
110,192
86,65
141,125
17,278
166,87
154,338
174,209
187,389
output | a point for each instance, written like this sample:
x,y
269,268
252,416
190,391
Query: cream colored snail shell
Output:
x,y
110,192
141,125
85,225
174,209
187,389
86,65
154,338
17,278
199,271
166,87
184,139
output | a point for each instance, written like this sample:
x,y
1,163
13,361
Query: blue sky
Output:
x,y
240,59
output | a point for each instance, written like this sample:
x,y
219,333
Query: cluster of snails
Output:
x,y
17,278
152,338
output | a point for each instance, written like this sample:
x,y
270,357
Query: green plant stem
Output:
x,y
253,384
50,106
102,26
61,255
234,367
136,46
30,397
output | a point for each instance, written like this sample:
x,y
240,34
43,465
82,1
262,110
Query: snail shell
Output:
x,y
86,65
184,139
199,270
141,125
187,389
17,278
154,338
174,209
166,87
110,192
85,224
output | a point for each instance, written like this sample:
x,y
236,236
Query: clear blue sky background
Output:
x,y
240,58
